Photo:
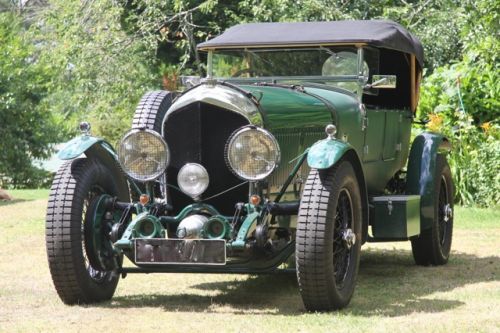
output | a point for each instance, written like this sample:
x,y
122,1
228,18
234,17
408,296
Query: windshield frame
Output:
x,y
361,77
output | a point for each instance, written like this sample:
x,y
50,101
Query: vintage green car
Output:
x,y
236,174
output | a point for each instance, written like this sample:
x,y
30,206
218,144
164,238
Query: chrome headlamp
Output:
x,y
252,153
143,154
193,179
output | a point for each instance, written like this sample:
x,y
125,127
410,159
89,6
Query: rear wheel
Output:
x,y
77,187
433,245
328,241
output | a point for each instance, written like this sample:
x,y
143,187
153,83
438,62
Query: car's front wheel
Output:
x,y
328,241
76,188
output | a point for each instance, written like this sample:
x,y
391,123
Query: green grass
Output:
x,y
477,218
392,294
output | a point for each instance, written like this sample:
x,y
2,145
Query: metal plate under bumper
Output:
x,y
180,251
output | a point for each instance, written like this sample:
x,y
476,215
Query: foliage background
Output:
x,y
65,61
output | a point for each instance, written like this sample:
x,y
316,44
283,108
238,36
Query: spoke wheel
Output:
x,y
329,238
76,186
432,246
341,249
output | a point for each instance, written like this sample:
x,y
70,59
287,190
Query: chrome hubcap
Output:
x,y
348,237
447,212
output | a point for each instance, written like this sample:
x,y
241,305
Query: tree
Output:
x,y
99,70
26,129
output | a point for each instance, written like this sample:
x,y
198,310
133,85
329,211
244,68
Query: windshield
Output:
x,y
335,66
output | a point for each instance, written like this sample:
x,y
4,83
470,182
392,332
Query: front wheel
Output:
x,y
77,187
433,245
328,241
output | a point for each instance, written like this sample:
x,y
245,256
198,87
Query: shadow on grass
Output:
x,y
389,284
12,202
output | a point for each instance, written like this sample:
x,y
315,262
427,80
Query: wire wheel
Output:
x,y
433,245
97,275
328,239
342,250
76,186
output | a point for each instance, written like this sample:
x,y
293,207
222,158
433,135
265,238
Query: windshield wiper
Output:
x,y
297,87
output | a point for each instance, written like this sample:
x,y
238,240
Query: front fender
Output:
x,y
325,153
421,173
80,145
98,149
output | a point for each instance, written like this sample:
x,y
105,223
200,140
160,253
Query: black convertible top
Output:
x,y
378,33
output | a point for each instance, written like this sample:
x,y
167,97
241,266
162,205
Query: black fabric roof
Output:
x,y
378,33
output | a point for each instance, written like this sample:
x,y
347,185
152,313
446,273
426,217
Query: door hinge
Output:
x,y
398,147
364,118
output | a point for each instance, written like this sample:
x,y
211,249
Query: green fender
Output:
x,y
98,149
421,173
325,153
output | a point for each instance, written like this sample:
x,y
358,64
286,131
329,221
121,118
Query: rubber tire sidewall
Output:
x,y
71,278
315,233
427,248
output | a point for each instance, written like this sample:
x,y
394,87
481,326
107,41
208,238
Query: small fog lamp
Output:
x,y
193,179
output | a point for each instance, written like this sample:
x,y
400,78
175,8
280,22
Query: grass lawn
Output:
x,y
392,294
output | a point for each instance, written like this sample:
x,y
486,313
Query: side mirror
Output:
x,y
382,82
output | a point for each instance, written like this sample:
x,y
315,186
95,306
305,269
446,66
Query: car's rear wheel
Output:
x,y
76,187
328,241
433,245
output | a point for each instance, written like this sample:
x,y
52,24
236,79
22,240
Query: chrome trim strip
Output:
x,y
221,96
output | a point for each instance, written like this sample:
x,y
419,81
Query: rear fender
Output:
x,y
98,149
326,153
421,173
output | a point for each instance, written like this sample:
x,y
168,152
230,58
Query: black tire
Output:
x,y
151,110
327,267
75,185
433,245
149,114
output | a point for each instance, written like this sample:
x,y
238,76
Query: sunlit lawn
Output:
x,y
392,295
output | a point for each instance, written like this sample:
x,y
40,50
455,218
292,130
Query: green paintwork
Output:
x,y
157,230
80,145
224,233
77,146
290,108
395,217
421,176
239,242
195,208
380,138
133,230
98,243
99,149
325,153
386,145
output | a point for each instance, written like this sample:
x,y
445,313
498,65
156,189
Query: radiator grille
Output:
x,y
198,134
